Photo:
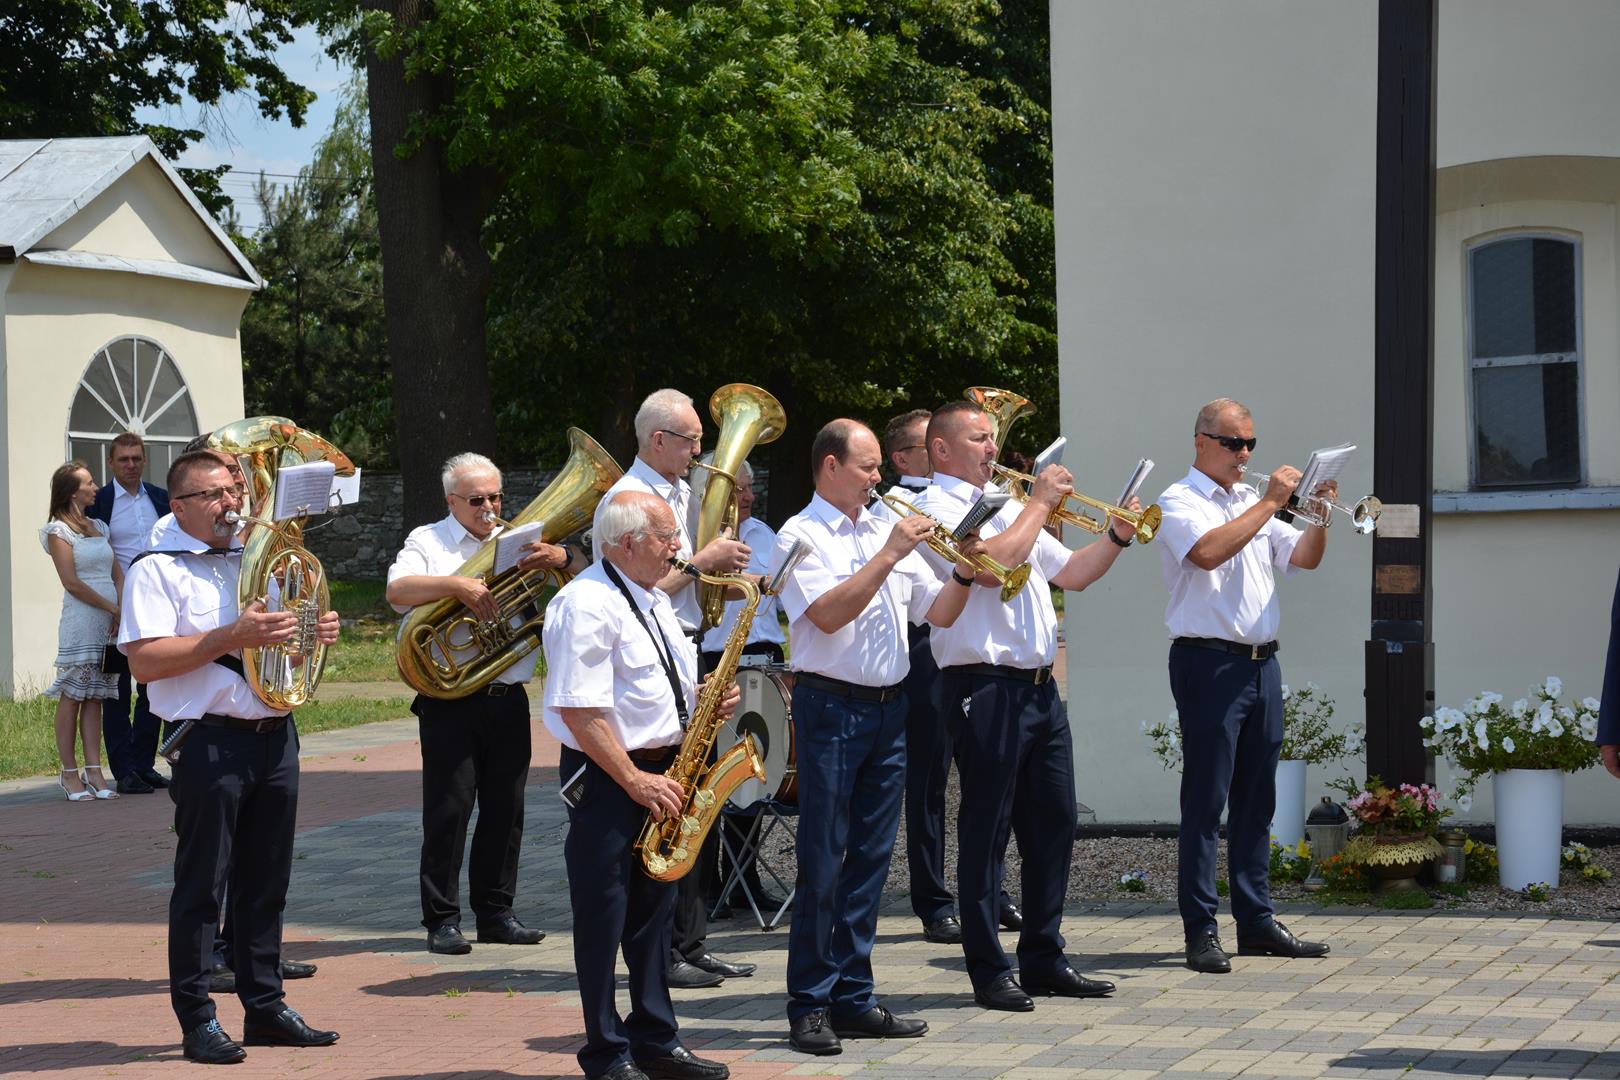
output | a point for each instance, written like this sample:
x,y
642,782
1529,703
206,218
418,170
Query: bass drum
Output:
x,y
766,713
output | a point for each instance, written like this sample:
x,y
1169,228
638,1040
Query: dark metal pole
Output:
x,y
1400,649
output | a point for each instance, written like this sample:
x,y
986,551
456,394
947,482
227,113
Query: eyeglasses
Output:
x,y
476,501
917,446
695,440
1231,442
207,494
665,536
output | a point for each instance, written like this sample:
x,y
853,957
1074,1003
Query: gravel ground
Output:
x,y
1099,862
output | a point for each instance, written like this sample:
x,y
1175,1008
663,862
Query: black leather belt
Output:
x,y
879,694
1037,675
500,689
269,723
652,753
1236,648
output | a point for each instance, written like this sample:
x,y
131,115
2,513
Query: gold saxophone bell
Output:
x,y
1144,521
944,545
747,417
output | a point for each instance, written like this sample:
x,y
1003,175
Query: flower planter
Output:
x,y
1288,817
1529,825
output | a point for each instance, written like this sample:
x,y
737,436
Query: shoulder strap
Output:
x,y
666,656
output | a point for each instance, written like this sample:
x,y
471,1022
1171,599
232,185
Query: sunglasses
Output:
x,y
1231,442
207,494
476,501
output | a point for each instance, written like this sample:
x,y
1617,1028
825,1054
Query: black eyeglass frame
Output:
x,y
1232,442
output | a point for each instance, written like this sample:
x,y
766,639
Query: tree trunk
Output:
x,y
436,280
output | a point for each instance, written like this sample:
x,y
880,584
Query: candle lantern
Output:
x,y
1327,829
1451,867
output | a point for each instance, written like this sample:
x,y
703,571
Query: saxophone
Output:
x,y
669,847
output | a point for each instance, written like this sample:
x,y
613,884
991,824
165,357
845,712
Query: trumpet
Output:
x,y
1318,509
1144,521
944,545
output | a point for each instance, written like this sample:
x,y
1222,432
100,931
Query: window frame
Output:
x,y
120,408
1474,363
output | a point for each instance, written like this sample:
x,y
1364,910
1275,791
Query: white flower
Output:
x,y
1286,693
1482,736
1554,686
1465,802
1426,723
1591,704
1311,687
1175,740
1507,744
1555,729
1521,709
1544,713
1489,698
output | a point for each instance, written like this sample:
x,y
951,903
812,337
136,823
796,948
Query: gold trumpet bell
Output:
x,y
1013,584
1147,526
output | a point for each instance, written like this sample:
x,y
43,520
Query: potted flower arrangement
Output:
x,y
1526,748
1396,830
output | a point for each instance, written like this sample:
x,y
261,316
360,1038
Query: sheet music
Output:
x,y
509,545
303,489
1322,466
346,489
1134,484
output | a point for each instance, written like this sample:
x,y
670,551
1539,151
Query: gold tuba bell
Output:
x,y
276,567
1004,408
444,651
748,417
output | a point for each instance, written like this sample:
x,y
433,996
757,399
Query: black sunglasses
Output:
x,y
1231,442
478,500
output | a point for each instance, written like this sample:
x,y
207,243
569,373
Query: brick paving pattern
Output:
x,y
83,980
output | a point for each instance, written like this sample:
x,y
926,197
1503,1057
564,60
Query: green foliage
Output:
x,y
1537,891
1404,900
86,67
1133,881
1578,860
1539,732
1290,864
1345,875
1479,862
1308,734
1409,810
1222,887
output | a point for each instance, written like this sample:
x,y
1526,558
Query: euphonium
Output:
x,y
669,847
445,651
1003,406
748,417
276,567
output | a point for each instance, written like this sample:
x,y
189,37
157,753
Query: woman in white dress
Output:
x,y
84,561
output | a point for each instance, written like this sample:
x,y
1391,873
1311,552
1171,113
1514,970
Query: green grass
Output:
x,y
364,653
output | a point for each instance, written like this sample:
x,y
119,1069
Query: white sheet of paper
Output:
x,y
1134,484
1324,465
346,489
303,489
509,545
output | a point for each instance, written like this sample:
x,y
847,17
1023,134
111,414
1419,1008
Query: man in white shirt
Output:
x,y
475,750
1220,546
1009,728
615,659
669,437
235,782
848,604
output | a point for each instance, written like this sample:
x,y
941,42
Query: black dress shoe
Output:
x,y
134,785
812,1034
1206,955
208,1044
1011,917
723,968
155,778
448,939
623,1071
1275,940
221,980
296,969
285,1028
683,975
1003,993
879,1023
943,931
508,931
681,1064
1067,982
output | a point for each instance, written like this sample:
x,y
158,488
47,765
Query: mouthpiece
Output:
x,y
685,567
232,517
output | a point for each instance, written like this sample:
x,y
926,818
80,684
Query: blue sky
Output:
x,y
239,137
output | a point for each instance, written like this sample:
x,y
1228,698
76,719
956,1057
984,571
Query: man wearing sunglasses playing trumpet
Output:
x,y
1221,546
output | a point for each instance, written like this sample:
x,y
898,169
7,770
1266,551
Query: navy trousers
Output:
x,y
1015,758
852,775
235,805
616,906
1231,731
131,744
474,751
928,767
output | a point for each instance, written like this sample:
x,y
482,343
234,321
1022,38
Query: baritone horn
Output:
x,y
747,417
1144,521
1318,509
1004,408
943,544
445,651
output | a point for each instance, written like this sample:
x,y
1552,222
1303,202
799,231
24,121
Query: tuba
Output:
x,y
1004,407
445,651
748,417
275,564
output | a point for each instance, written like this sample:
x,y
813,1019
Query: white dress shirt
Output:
x,y
642,477
132,519
598,656
180,595
871,649
910,488
1236,601
1021,633
439,550
761,540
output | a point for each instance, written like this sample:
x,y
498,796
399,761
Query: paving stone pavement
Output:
x,y
83,980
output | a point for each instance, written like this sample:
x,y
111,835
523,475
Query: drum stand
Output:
x,y
768,816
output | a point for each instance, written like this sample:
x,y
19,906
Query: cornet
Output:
x,y
1144,521
944,545
1318,509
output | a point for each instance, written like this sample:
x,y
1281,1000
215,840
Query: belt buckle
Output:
x,y
263,726
1042,675
1257,652
497,689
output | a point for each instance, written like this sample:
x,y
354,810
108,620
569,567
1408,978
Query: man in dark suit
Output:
x,y
1608,732
130,507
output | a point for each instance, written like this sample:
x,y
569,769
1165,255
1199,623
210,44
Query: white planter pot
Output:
x,y
1529,825
1288,819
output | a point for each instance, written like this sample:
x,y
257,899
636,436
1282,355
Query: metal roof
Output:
x,y
44,182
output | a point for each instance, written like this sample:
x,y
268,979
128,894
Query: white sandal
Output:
x,y
75,796
101,790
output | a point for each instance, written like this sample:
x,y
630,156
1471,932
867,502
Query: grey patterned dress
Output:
x,y
83,632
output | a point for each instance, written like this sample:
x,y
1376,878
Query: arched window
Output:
x,y
1524,358
131,384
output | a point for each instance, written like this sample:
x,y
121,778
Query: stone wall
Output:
x,y
360,542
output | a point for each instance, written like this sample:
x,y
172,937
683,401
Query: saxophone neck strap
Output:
x,y
660,643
